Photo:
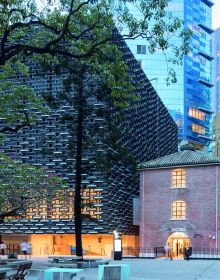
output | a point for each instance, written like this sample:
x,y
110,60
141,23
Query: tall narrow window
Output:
x,y
178,210
179,178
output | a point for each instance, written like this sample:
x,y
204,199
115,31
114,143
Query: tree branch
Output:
x,y
17,127
14,212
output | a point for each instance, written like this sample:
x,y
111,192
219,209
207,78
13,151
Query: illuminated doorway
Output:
x,y
178,241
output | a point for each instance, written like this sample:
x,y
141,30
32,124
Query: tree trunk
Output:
x,y
79,145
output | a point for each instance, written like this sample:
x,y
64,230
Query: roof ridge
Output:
x,y
180,158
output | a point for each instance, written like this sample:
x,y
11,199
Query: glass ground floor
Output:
x,y
64,244
178,242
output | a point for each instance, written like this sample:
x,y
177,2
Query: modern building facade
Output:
x,y
179,198
189,100
216,71
216,93
147,132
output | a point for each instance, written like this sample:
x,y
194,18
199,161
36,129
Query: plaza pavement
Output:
x,y
159,269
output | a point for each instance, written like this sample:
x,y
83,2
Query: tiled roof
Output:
x,y
181,158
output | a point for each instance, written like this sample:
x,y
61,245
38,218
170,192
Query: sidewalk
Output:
x,y
160,269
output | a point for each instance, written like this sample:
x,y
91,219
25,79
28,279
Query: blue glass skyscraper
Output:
x,y
216,71
189,100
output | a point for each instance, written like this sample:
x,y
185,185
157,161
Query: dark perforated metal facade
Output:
x,y
148,132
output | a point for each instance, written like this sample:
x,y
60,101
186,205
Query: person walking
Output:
x,y
3,248
188,253
24,248
168,251
29,250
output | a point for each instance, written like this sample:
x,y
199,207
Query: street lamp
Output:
x,y
212,237
117,245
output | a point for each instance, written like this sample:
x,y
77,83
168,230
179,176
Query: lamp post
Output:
x,y
212,241
213,238
117,246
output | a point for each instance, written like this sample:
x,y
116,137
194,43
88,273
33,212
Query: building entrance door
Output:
x,y
178,241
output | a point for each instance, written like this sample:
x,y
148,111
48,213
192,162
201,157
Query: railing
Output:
x,y
138,252
13,248
205,253
130,252
42,250
153,252
159,252
103,253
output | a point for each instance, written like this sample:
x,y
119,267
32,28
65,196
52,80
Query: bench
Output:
x,y
115,271
62,259
92,263
103,261
20,273
36,273
63,273
39,274
63,265
3,272
16,263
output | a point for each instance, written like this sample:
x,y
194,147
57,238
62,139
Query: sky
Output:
x,y
216,14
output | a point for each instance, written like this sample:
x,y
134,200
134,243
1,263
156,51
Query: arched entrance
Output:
x,y
178,241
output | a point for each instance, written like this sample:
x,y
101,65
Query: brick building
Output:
x,y
180,202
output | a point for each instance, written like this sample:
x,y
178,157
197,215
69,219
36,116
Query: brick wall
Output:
x,y
156,196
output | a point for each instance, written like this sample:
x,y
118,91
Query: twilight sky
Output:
x,y
216,14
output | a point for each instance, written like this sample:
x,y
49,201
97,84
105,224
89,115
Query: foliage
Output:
x,y
19,104
22,186
81,32
30,29
86,28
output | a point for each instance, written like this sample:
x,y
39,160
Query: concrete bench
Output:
x,y
63,273
63,265
103,261
115,271
91,263
36,274
39,274
62,259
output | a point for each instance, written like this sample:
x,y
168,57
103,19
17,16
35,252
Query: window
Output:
x,y
141,49
178,178
196,114
179,210
198,128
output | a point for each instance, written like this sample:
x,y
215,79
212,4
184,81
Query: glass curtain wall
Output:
x,y
192,92
197,72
